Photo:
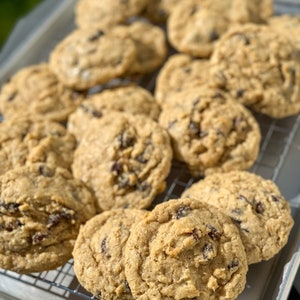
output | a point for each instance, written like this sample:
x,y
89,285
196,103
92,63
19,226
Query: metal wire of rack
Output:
x,y
277,139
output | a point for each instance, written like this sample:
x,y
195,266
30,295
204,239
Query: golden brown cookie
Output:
x,y
132,99
194,26
254,204
88,57
41,210
210,132
106,13
150,43
125,159
265,78
35,91
24,141
185,249
180,71
99,253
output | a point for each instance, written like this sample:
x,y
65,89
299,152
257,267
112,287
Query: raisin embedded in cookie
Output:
x,y
265,78
106,13
254,204
125,159
88,57
150,43
24,141
185,249
210,131
132,99
35,91
99,253
180,72
41,210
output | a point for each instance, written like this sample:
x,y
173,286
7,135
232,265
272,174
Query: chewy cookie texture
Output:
x,y
136,84
41,210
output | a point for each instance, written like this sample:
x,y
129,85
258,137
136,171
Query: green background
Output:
x,y
10,12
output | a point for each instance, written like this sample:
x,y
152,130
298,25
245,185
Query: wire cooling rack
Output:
x,y
279,137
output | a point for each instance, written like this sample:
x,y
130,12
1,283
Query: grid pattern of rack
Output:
x,y
278,136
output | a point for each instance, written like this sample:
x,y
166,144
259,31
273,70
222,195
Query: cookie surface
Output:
x,y
125,159
41,209
274,71
106,13
24,141
132,99
185,250
255,205
194,27
158,11
88,57
288,25
36,91
179,72
150,43
210,131
99,253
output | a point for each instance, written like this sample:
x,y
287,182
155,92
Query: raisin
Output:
x,y
187,70
259,208
141,159
275,198
236,221
233,264
195,235
240,93
10,207
12,97
213,36
182,212
194,128
103,246
144,186
45,171
38,237
214,233
206,249
96,36
53,220
97,114
116,168
125,140
127,287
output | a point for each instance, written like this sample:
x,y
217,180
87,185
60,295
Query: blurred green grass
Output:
x,y
10,12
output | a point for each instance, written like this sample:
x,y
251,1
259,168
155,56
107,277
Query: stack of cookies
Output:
x,y
86,148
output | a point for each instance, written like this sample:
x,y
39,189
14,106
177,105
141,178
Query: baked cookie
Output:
x,y
210,131
24,141
125,159
106,13
158,11
265,78
194,26
99,253
35,91
88,57
41,210
180,72
185,249
254,204
150,42
288,25
132,99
